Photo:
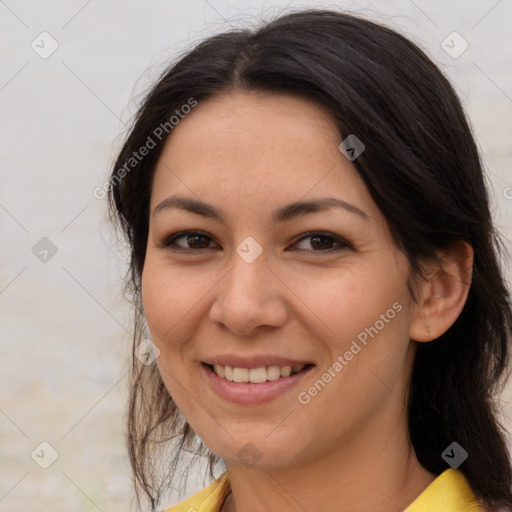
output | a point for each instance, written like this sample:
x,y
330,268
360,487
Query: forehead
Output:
x,y
257,149
244,123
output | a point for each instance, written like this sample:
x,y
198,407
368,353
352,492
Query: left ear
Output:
x,y
442,296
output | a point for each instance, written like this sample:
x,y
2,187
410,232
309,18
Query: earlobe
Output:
x,y
444,292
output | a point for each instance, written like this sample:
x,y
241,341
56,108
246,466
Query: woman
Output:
x,y
313,253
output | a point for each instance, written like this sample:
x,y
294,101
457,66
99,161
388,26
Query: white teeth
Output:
x,y
273,372
256,375
240,375
286,371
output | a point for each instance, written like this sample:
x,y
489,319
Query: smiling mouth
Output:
x,y
256,375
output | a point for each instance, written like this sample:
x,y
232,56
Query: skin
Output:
x,y
248,154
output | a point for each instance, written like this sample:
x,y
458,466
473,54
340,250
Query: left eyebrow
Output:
x,y
283,214
300,208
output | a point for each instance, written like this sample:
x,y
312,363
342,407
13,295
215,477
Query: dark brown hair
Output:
x,y
421,167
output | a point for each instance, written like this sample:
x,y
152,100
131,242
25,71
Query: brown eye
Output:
x,y
186,241
322,242
197,241
318,242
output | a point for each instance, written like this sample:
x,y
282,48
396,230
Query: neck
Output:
x,y
377,470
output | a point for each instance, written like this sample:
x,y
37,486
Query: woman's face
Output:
x,y
287,262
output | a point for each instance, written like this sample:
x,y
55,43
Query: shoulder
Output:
x,y
210,499
449,492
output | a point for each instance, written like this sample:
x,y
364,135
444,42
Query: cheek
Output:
x,y
341,304
171,299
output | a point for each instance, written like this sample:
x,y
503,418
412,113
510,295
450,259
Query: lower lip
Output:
x,y
248,393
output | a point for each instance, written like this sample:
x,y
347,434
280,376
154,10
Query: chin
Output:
x,y
256,451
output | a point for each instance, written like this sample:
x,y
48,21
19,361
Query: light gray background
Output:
x,y
64,328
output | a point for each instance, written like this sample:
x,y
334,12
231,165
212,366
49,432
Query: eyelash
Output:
x,y
169,242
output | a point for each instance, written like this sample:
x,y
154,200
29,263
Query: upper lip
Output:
x,y
256,361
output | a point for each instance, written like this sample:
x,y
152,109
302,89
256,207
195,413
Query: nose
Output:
x,y
249,298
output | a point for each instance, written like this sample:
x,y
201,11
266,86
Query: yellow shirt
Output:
x,y
449,492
